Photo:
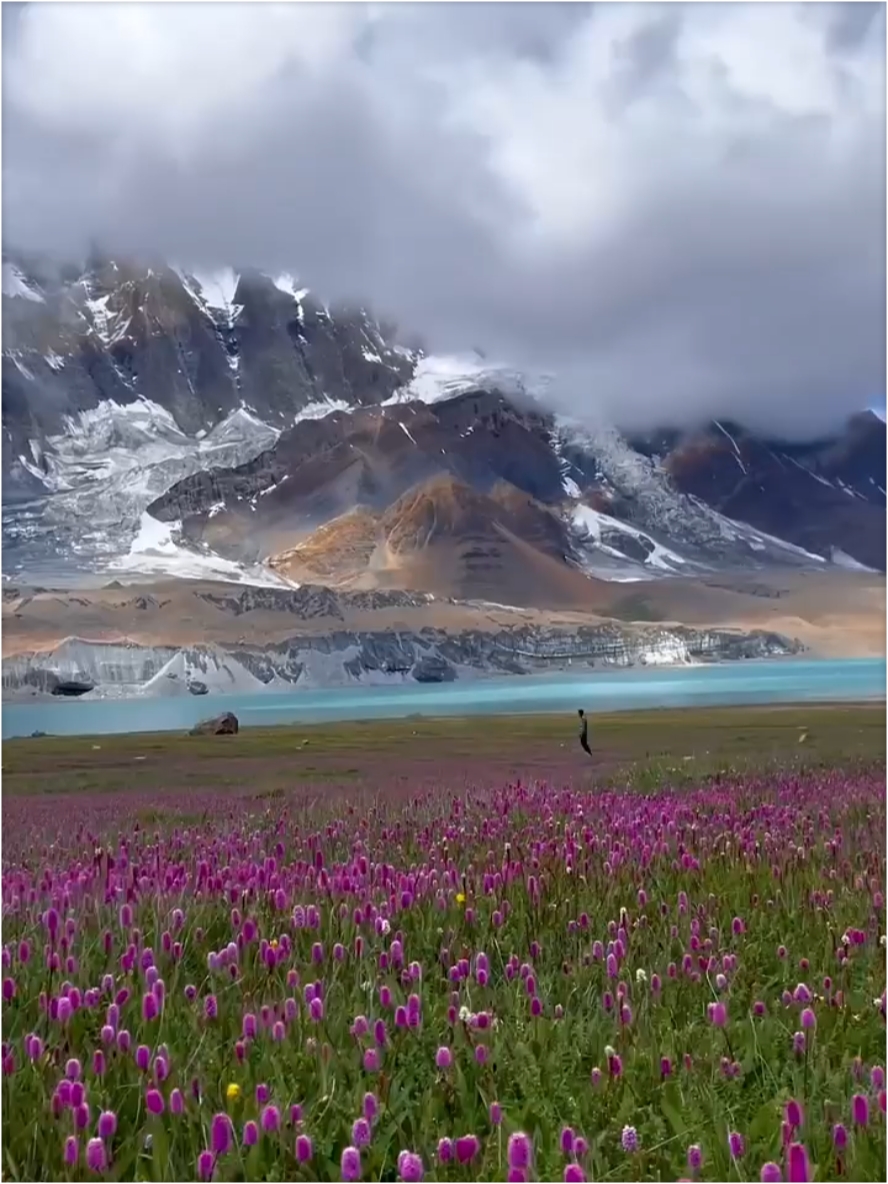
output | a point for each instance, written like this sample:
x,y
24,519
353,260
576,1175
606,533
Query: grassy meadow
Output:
x,y
449,950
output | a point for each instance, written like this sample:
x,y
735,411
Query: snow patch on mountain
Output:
x,y
287,284
218,289
438,377
15,285
213,292
615,551
19,364
321,409
154,551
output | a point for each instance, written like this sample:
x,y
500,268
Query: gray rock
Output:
x,y
433,669
221,725
198,688
70,688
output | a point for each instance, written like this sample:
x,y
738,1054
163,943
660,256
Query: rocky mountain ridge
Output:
x,y
824,495
600,504
229,425
200,346
342,658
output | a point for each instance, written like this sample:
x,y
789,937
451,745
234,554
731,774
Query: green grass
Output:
x,y
642,747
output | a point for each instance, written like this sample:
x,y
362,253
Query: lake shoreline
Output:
x,y
751,683
468,677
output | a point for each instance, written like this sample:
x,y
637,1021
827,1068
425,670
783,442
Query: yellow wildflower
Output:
x,y
460,898
232,1091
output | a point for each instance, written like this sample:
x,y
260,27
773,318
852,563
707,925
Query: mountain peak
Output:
x,y
262,427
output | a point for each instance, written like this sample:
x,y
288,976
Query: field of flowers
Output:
x,y
531,983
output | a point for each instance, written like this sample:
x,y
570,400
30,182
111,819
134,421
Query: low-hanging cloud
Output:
x,y
675,210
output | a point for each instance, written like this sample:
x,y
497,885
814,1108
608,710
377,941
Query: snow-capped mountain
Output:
x,y
827,495
615,513
118,381
158,421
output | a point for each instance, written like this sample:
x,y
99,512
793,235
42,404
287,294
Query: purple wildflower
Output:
x,y
220,1134
107,1124
798,1169
629,1139
410,1167
520,1151
270,1118
360,1132
154,1103
467,1147
96,1156
794,1114
350,1164
860,1110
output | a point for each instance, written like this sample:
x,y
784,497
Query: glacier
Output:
x,y
102,472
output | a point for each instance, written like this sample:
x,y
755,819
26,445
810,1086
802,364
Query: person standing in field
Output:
x,y
584,732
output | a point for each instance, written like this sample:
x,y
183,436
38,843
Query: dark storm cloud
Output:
x,y
676,210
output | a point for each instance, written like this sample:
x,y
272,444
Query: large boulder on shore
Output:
x,y
220,725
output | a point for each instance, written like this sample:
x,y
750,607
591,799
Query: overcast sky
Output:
x,y
676,210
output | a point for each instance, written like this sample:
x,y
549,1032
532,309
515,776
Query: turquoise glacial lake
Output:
x,y
789,680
